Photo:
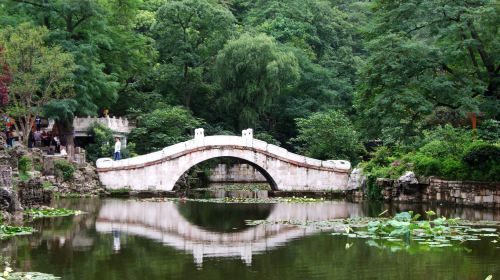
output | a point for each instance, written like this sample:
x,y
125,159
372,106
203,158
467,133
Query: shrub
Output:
x,y
47,185
483,161
481,154
102,143
489,130
328,135
25,164
64,169
162,128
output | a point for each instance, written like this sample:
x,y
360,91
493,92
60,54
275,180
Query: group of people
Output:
x,y
41,139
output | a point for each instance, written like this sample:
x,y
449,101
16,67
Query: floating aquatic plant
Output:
x,y
239,200
403,231
8,274
8,231
51,212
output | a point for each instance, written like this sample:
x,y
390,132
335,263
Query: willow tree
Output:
x,y
40,73
253,71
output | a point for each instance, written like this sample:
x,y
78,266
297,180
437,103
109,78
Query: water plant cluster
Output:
x,y
239,200
8,274
51,212
7,231
405,230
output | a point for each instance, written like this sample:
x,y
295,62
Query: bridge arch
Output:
x,y
262,170
284,170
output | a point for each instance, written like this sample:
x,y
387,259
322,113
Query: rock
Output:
x,y
356,179
32,194
9,201
408,178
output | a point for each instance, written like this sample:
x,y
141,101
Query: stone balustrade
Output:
x,y
81,125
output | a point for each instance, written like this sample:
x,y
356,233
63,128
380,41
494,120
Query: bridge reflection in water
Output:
x,y
165,223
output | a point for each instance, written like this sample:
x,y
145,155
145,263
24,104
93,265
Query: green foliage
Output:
x,y
25,164
443,55
253,71
489,130
189,33
47,185
328,135
9,231
40,72
102,144
64,169
51,212
446,152
483,161
162,128
266,137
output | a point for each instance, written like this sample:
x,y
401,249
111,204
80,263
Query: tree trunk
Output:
x,y
67,137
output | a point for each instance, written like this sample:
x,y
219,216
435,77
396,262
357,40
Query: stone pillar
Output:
x,y
199,133
247,135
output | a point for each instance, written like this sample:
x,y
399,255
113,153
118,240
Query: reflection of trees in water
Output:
x,y
61,235
223,217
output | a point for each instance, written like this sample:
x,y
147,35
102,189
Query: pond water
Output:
x,y
131,239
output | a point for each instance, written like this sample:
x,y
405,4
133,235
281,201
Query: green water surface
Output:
x,y
130,239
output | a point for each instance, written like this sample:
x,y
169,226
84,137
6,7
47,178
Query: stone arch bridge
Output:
x,y
283,170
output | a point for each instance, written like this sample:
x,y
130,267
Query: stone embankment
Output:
x,y
37,186
466,193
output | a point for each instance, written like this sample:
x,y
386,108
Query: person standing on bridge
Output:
x,y
118,147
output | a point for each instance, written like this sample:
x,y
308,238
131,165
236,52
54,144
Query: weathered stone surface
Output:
x,y
5,176
9,201
481,194
409,178
32,194
237,173
356,179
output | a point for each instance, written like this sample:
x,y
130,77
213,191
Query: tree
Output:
x,y
328,135
253,71
444,54
189,33
162,128
40,73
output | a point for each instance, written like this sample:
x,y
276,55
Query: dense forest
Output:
x,y
392,85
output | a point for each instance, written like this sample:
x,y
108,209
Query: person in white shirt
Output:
x,y
118,147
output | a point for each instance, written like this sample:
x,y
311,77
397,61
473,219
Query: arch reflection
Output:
x,y
164,222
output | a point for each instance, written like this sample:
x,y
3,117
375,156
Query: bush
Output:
x,y
489,130
64,169
102,143
328,135
446,152
483,161
25,164
162,128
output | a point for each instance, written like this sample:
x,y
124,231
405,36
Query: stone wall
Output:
x,y
468,193
237,173
463,193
